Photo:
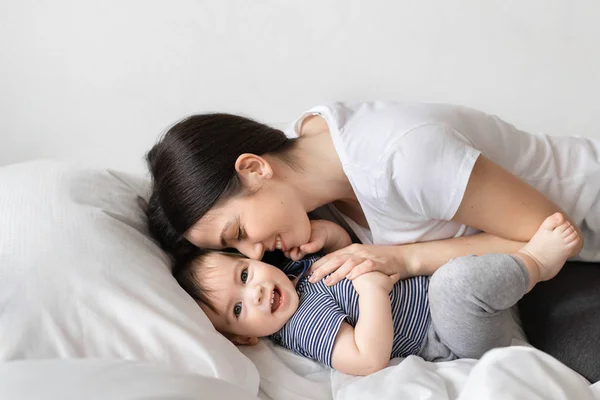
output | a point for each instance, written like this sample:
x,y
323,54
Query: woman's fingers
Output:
x,y
350,262
296,254
311,247
362,268
341,272
337,257
322,268
328,264
319,263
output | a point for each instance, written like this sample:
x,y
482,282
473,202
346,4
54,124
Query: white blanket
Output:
x,y
516,372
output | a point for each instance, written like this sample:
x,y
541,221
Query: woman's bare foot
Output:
x,y
549,248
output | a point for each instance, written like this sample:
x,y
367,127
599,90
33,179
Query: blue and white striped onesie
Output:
x,y
312,330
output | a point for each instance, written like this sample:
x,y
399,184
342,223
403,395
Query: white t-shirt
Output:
x,y
409,165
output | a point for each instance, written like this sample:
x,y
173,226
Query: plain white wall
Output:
x,y
100,80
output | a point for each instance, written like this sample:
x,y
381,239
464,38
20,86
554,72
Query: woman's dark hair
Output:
x,y
193,167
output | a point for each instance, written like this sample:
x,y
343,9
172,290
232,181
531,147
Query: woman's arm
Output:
x,y
406,260
495,201
426,257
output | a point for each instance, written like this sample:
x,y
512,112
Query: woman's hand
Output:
x,y
318,237
357,259
325,235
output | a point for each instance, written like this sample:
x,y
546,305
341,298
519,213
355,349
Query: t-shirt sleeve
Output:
x,y
314,327
430,169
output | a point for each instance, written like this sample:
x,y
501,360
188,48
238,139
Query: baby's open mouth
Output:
x,y
275,299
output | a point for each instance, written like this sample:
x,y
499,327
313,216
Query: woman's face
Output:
x,y
270,218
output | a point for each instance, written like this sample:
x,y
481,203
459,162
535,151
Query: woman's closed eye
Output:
x,y
240,234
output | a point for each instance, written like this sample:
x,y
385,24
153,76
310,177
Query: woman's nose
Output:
x,y
254,251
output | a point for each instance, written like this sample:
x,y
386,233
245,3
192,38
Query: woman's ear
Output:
x,y
239,340
253,170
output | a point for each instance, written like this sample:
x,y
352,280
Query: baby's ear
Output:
x,y
239,340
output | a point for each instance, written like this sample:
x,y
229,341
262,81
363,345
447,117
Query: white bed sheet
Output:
x,y
517,372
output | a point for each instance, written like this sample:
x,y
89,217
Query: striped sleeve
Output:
x,y
311,332
298,269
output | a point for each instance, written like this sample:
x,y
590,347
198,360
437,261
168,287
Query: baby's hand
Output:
x,y
324,235
375,280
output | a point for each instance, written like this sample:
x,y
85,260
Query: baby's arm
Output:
x,y
366,348
326,236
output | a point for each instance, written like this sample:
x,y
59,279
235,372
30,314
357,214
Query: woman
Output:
x,y
418,185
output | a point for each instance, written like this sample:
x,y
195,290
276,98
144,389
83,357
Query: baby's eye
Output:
x,y
244,276
237,309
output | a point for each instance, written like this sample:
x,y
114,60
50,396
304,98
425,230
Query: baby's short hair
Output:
x,y
188,270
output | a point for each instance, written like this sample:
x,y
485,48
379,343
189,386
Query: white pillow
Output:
x,y
107,379
80,277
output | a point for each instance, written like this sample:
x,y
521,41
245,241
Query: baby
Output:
x,y
357,326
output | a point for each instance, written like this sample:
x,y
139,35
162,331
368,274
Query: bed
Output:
x,y
89,306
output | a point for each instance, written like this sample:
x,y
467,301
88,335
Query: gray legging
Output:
x,y
471,300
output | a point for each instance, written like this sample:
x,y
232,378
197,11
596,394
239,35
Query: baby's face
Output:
x,y
253,299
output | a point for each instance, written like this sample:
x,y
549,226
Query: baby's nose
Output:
x,y
258,294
